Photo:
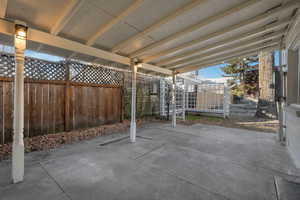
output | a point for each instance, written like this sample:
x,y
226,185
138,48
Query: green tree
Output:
x,y
244,76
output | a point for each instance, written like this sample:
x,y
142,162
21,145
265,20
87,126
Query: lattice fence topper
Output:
x,y
94,74
34,68
44,70
7,66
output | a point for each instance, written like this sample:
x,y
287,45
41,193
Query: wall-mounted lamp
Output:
x,y
21,31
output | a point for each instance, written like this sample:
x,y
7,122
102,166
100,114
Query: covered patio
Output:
x,y
191,162
101,62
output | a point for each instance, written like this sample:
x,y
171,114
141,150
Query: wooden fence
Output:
x,y
59,98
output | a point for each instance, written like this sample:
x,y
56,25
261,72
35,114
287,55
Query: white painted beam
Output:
x,y
7,28
195,27
115,20
3,7
293,35
231,40
229,48
227,57
289,5
159,23
231,53
56,41
155,68
66,16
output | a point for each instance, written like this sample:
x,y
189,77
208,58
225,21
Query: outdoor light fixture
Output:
x,y
21,31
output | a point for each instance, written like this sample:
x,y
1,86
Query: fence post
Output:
x,y
226,107
183,99
174,100
162,97
18,120
67,96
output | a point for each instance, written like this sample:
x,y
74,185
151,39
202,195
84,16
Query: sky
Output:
x,y
216,71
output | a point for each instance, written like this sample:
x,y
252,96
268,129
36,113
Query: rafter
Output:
x,y
239,45
115,20
3,7
195,27
66,16
227,56
41,37
231,40
226,59
294,30
229,53
266,15
159,23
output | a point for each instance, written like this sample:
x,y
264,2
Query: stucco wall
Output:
x,y
293,132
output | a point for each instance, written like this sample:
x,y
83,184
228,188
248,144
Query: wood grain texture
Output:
x,y
45,108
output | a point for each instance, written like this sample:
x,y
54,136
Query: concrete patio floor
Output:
x,y
189,162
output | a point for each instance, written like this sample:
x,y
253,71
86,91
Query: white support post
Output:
x,y
162,97
18,120
174,100
133,103
283,71
183,99
187,96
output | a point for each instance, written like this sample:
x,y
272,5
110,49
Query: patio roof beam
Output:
x,y
231,40
106,27
293,34
195,27
3,7
66,16
228,56
230,59
41,37
228,48
159,23
155,68
265,15
232,53
103,29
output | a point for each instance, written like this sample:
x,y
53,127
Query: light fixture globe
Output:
x,y
21,31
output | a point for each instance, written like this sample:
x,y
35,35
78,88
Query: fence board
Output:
x,y
91,98
60,111
8,111
1,114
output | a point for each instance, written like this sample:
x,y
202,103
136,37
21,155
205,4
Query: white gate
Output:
x,y
165,98
193,96
208,98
